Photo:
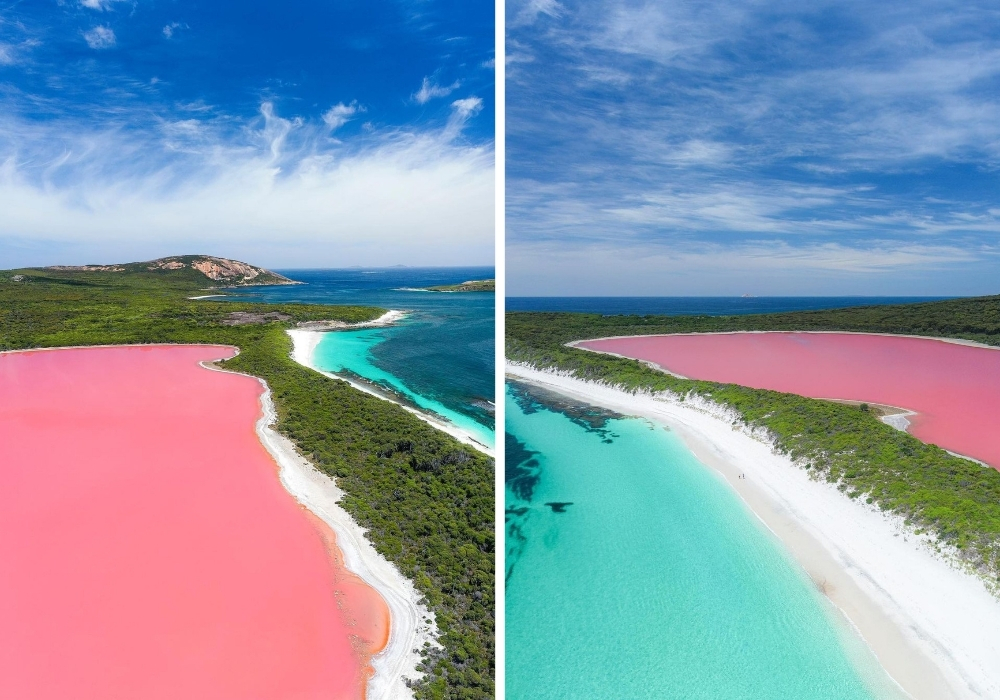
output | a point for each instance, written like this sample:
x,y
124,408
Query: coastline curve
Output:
x,y
929,624
304,343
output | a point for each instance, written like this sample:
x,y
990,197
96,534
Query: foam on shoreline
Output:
x,y
934,628
386,319
304,343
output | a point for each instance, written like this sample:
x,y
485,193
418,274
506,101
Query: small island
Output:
x,y
470,286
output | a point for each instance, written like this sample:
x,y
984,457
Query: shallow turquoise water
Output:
x,y
656,582
351,351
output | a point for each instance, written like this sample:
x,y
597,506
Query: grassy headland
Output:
x,y
955,499
425,498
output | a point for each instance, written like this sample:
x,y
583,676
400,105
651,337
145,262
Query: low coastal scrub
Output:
x,y
425,498
954,500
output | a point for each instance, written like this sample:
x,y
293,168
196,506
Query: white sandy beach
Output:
x,y
933,627
304,342
386,319
411,624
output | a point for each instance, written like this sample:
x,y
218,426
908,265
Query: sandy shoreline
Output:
x,y
386,319
934,628
409,629
955,341
408,626
304,342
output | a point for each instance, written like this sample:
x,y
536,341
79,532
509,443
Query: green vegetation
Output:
x,y
955,499
470,286
425,498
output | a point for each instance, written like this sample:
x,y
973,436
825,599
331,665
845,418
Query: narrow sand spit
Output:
x,y
386,319
304,342
934,628
411,623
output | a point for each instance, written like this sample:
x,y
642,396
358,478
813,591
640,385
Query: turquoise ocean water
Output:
x,y
351,352
440,358
633,571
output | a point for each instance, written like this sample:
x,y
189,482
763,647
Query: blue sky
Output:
x,y
702,148
288,134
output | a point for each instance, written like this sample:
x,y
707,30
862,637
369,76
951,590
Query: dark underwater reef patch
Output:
x,y
521,468
521,473
593,419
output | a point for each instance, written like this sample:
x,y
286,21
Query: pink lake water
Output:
x,y
954,389
147,547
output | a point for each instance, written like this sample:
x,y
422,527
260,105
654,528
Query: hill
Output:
x,y
197,269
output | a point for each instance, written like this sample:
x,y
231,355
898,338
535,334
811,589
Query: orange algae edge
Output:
x,y
150,549
363,610
953,389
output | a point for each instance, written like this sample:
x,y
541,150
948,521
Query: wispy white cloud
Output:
x,y
7,54
170,29
99,5
832,123
13,53
340,114
100,37
284,192
276,130
527,11
467,106
760,267
429,90
461,111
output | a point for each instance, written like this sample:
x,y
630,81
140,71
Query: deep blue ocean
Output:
x,y
442,352
698,306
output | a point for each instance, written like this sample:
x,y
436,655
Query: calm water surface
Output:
x,y
633,571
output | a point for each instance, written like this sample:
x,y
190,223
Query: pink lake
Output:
x,y
148,547
955,389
